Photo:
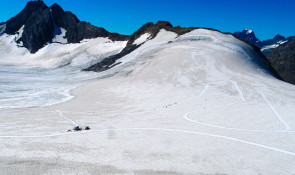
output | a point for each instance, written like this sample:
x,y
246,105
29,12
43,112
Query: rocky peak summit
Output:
x,y
38,22
249,36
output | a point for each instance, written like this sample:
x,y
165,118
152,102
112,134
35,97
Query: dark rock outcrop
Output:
x,y
78,30
39,26
282,59
38,30
16,22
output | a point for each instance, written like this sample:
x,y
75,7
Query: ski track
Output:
x,y
69,120
239,90
273,110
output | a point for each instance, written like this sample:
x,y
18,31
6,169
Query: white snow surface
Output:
x,y
248,31
60,38
195,104
59,33
143,38
19,33
46,77
81,55
273,46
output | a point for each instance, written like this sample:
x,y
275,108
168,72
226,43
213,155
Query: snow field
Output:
x,y
191,106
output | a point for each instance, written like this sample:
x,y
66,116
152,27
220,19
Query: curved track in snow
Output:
x,y
273,109
161,129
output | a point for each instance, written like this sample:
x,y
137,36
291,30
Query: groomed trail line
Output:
x,y
161,129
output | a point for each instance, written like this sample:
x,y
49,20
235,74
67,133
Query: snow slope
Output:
x,y
55,55
46,77
200,103
142,38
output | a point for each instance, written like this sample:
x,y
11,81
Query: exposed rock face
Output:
x,y
78,30
154,29
39,26
282,60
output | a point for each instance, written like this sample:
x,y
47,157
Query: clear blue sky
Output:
x,y
266,17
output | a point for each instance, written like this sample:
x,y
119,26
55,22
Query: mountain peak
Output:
x,y
38,2
249,35
279,37
56,6
37,24
164,23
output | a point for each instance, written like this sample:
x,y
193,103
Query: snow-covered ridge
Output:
x,y
219,41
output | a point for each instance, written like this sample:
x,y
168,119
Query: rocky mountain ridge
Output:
x,y
266,46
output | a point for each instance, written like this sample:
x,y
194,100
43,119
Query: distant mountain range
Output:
x,y
266,46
